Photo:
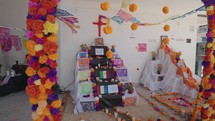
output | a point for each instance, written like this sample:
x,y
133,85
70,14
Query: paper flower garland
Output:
x,y
42,49
134,26
105,6
165,9
207,88
166,28
132,7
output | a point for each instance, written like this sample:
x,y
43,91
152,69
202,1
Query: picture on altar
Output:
x,y
99,42
121,72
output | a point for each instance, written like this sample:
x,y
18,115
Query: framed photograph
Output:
x,y
118,62
83,62
82,55
99,42
121,72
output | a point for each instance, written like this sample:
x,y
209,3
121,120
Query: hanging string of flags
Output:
x,y
8,41
68,19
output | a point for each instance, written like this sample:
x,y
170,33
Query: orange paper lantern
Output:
x,y
133,7
105,6
165,10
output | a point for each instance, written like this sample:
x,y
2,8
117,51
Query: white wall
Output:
x,y
13,14
87,12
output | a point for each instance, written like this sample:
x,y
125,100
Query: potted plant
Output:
x,y
130,88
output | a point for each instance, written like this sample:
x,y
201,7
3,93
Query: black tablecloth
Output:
x,y
15,84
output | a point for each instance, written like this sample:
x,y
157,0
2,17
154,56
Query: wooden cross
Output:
x,y
99,23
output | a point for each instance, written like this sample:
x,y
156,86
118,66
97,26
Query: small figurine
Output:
x,y
159,68
154,54
84,47
113,48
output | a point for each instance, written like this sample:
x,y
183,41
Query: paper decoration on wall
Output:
x,y
68,19
15,42
5,43
142,47
88,106
99,23
124,15
108,29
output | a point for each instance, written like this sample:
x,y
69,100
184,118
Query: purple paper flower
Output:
x,y
54,111
53,97
52,10
29,16
210,39
208,2
29,34
53,79
46,119
35,58
40,41
30,81
35,77
51,73
35,16
34,107
43,18
206,63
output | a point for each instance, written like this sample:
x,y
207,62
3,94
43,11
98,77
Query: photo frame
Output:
x,y
121,72
99,42
118,62
83,63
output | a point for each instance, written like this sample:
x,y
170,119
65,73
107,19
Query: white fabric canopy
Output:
x,y
171,81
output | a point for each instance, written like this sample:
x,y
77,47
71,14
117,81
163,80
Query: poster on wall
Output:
x,y
142,47
5,44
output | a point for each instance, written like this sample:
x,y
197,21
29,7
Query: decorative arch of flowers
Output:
x,y
42,49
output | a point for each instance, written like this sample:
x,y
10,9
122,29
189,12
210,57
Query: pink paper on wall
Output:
x,y
142,47
15,41
124,15
5,43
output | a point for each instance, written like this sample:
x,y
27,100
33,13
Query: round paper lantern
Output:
x,y
166,28
133,7
105,6
108,29
165,9
134,26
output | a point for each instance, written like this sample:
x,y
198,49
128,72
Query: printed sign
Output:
x,y
99,51
82,54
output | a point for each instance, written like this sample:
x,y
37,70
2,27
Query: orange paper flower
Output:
x,y
134,26
133,7
30,71
105,6
33,91
50,47
165,9
50,18
56,104
166,28
42,11
108,29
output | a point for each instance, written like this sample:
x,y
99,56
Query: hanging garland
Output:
x,y
42,49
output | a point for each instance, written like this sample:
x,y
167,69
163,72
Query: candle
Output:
x,y
115,114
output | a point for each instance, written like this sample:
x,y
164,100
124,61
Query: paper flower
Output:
x,y
166,28
132,7
50,28
42,11
38,47
50,47
34,116
52,38
53,56
108,29
50,18
165,40
30,71
56,104
109,54
165,9
33,100
105,6
134,26
30,46
33,91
